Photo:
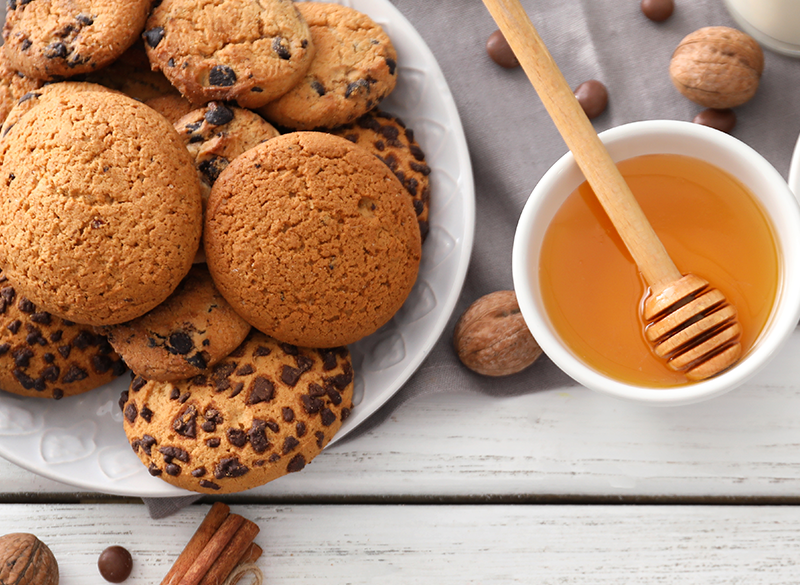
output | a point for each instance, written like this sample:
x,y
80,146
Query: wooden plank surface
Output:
x,y
564,442
446,544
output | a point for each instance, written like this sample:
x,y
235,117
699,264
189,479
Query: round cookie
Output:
x,y
33,98
47,357
354,69
264,411
312,239
172,106
192,330
250,52
387,137
13,85
56,39
100,211
216,134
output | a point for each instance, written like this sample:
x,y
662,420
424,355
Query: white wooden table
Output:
x,y
558,486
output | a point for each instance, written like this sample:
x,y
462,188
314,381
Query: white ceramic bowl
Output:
x,y
671,137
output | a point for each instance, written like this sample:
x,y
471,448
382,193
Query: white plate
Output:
x,y
79,441
794,170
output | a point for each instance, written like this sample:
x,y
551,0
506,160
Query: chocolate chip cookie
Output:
x,y
354,69
13,85
264,411
56,39
387,137
172,106
189,332
312,239
47,357
250,52
100,210
218,133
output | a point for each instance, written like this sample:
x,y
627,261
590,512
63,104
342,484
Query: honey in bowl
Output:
x,y
711,226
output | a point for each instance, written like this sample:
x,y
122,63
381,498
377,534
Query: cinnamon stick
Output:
x,y
231,555
213,520
212,550
251,555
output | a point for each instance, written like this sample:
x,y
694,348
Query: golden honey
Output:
x,y
711,226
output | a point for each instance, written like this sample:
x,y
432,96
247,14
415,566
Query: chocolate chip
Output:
x,y
119,368
300,429
419,206
297,463
42,318
723,120
320,438
245,370
500,52
25,381
123,398
204,483
154,471
261,351
180,342
312,405
147,442
138,383
289,444
258,436
26,306
174,394
289,349
199,472
274,457
153,36
392,64
51,373
280,46
198,361
55,336
184,397
185,424
416,152
146,414
257,89
172,469
131,412
57,50
26,44
288,414
58,394
421,168
85,19
84,339
222,75
101,363
237,388
334,396
380,145
593,97
74,374
64,350
212,167
315,390
230,467
22,357
328,417
4,347
411,185
261,390
355,86
658,10
217,114
237,437
328,359
273,426
345,414
171,62
174,453
35,337
290,376
318,87
213,442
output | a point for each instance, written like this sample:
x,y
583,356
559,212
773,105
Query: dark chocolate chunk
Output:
x,y
51,373
131,412
171,62
198,360
419,206
84,339
172,469
58,394
237,388
138,383
101,363
421,168
281,47
64,350
180,342
334,396
74,374
312,405
328,417
26,44
119,368
317,86
153,36
147,442
154,471
123,398
345,413
320,438
174,453
222,75
315,390
56,50
212,167
146,414
297,463
328,359
261,351
213,442
245,370
288,414
25,380
273,426
26,306
42,318
289,444
289,349
237,437
230,467
392,64
55,336
8,293
204,483
274,457
300,428
258,436
185,424
4,347
218,114
355,86
290,376
416,152
184,397
261,390
22,357
257,89
199,472
85,19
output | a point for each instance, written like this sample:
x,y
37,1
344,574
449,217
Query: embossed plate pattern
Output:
x,y
79,441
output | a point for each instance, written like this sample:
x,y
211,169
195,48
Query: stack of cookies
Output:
x,y
207,194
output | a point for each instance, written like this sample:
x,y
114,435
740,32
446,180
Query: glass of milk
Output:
x,y
773,23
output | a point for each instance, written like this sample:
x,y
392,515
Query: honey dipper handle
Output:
x,y
577,131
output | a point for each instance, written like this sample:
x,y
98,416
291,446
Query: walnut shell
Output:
x,y
491,337
26,560
717,67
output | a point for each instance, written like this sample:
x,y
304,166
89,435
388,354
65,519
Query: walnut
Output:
x,y
717,67
491,337
26,560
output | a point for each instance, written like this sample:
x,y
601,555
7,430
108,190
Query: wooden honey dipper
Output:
x,y
688,323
